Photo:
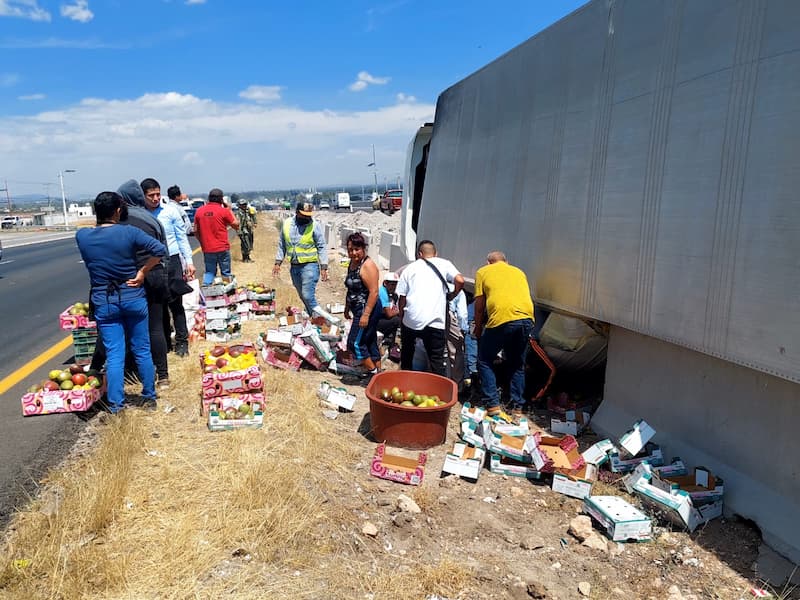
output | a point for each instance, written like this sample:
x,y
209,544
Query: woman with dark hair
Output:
x,y
362,302
109,252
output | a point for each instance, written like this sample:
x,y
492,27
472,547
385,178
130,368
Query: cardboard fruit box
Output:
x,y
503,465
464,461
575,482
231,401
398,468
68,322
281,359
47,402
218,422
621,520
558,453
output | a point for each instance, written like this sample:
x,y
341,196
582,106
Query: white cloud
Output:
x,y
55,42
190,2
32,97
77,12
405,99
25,9
167,134
363,79
192,158
261,93
8,79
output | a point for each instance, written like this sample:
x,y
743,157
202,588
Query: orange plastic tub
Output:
x,y
407,426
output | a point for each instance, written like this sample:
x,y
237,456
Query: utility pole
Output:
x,y
63,196
8,198
374,169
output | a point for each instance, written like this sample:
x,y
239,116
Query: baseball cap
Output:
x,y
305,208
391,276
215,193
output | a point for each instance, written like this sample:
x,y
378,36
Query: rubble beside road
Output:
x,y
290,510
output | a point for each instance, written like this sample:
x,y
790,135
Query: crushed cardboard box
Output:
x,y
672,503
597,454
336,397
556,453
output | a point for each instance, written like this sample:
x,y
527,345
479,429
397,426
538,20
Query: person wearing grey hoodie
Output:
x,y
156,284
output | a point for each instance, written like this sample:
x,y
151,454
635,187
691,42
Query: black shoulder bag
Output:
x,y
446,313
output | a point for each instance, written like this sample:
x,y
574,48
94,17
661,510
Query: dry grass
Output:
x,y
162,508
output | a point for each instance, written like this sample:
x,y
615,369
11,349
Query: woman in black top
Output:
x,y
362,302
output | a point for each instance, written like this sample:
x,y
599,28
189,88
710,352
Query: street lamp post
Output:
x,y
63,196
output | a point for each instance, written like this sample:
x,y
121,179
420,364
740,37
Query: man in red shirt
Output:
x,y
211,224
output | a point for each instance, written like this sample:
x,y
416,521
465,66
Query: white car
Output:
x,y
324,206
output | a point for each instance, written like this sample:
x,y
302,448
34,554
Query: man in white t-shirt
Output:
x,y
424,291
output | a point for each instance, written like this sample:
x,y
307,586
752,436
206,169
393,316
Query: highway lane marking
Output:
x,y
49,354
7,262
28,368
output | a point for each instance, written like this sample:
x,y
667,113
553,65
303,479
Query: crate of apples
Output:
x,y
410,398
65,390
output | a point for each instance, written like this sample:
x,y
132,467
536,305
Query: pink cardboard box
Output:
x,y
239,382
68,322
398,468
282,359
232,400
59,401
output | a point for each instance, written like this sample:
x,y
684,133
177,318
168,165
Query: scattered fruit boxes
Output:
x,y
398,468
651,453
59,401
71,319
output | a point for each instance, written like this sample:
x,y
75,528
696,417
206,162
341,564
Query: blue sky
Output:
x,y
232,93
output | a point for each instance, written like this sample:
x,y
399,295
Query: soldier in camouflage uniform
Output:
x,y
246,223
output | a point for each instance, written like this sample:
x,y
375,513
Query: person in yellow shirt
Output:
x,y
503,295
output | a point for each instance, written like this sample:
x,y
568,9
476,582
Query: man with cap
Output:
x,y
246,224
389,322
211,223
303,243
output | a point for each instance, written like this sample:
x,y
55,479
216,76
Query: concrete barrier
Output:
x,y
736,421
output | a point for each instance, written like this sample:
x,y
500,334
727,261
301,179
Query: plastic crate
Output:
x,y
84,340
84,335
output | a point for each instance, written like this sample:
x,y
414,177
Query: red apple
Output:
x,y
218,351
51,386
79,378
221,362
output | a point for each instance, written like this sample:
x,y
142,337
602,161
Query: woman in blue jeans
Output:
x,y
120,306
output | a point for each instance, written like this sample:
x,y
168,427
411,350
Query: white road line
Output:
x,y
7,262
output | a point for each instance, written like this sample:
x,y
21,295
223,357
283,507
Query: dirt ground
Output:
x,y
499,537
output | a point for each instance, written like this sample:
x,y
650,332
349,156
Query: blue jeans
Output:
x,y
304,279
119,320
513,339
211,260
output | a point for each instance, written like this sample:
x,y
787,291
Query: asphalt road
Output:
x,y
37,282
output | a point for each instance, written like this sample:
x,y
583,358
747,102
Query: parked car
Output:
x,y
324,206
391,201
191,206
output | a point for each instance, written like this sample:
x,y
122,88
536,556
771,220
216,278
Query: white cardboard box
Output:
x,y
652,455
472,413
472,433
502,465
276,337
598,453
620,519
635,439
573,423
511,429
577,484
464,461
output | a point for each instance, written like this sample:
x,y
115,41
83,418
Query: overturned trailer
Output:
x,y
639,160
